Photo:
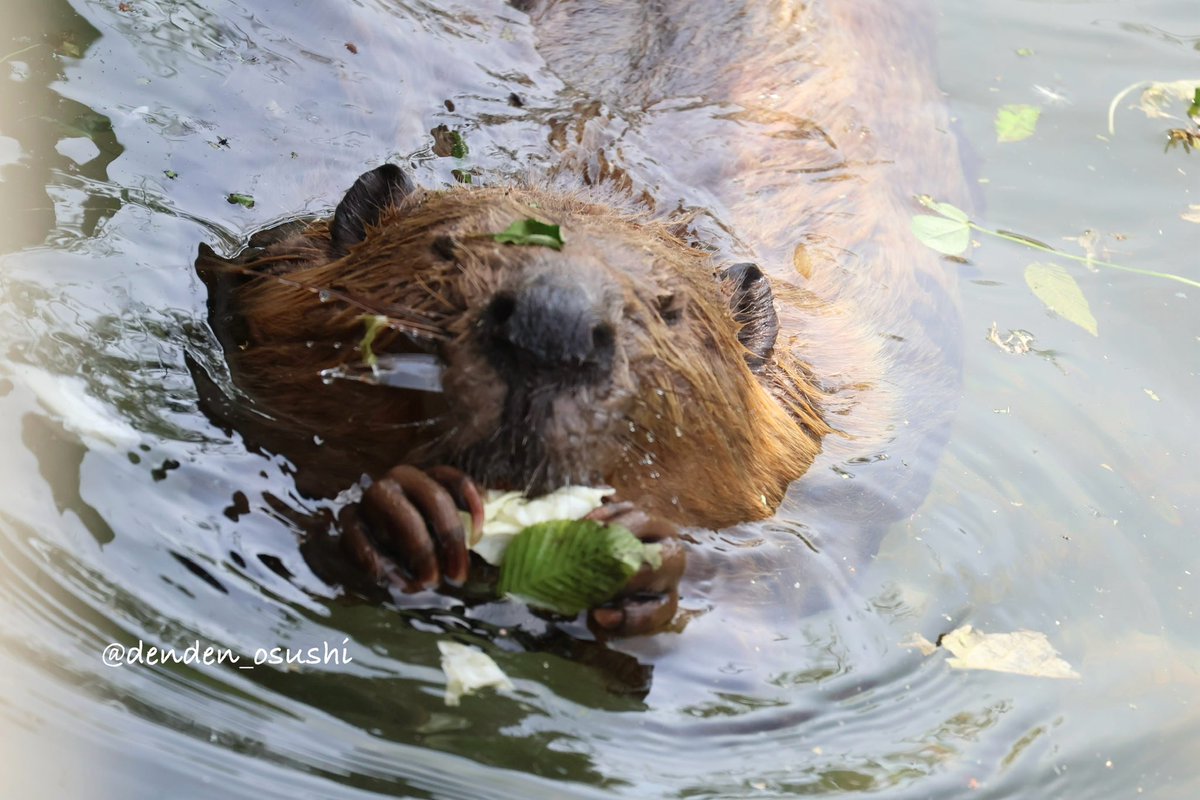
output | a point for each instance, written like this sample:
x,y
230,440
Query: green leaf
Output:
x,y
241,200
458,145
171,174
1055,287
1016,122
567,566
1194,109
531,232
949,236
945,209
374,323
1024,52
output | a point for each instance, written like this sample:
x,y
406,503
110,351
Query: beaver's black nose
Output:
x,y
550,324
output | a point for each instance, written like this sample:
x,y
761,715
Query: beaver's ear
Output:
x,y
753,306
364,204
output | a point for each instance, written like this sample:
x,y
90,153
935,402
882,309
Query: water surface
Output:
x,y
1064,502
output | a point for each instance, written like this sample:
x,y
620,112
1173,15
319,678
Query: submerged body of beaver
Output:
x,y
628,357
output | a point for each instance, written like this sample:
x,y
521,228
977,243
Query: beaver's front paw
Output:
x,y
648,602
407,528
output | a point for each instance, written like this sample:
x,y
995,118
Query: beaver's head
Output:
x,y
622,357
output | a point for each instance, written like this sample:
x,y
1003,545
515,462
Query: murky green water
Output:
x,y
1065,501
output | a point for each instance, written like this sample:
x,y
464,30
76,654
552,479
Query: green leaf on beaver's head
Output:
x,y
374,323
531,232
566,566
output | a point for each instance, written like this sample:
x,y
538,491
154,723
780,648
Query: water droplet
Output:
x,y
324,296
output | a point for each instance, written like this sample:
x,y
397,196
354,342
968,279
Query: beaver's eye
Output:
x,y
445,248
670,308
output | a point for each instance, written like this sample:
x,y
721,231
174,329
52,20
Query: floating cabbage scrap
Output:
x,y
244,200
531,232
1018,653
469,669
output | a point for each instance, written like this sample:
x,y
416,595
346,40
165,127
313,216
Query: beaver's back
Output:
x,y
812,126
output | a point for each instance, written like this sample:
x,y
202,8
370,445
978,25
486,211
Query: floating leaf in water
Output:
x,y
567,566
448,143
1017,342
1156,98
171,174
945,209
943,234
374,323
244,200
1024,52
1016,122
469,669
1055,287
531,232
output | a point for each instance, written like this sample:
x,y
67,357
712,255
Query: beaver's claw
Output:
x,y
649,601
407,528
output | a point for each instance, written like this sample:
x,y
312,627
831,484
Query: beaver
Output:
x,y
698,387
621,359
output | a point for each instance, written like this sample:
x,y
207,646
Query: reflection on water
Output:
x,y
1063,503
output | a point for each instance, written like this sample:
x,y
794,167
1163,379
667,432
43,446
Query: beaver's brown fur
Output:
x,y
683,425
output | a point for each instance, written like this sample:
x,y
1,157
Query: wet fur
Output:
x,y
682,413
